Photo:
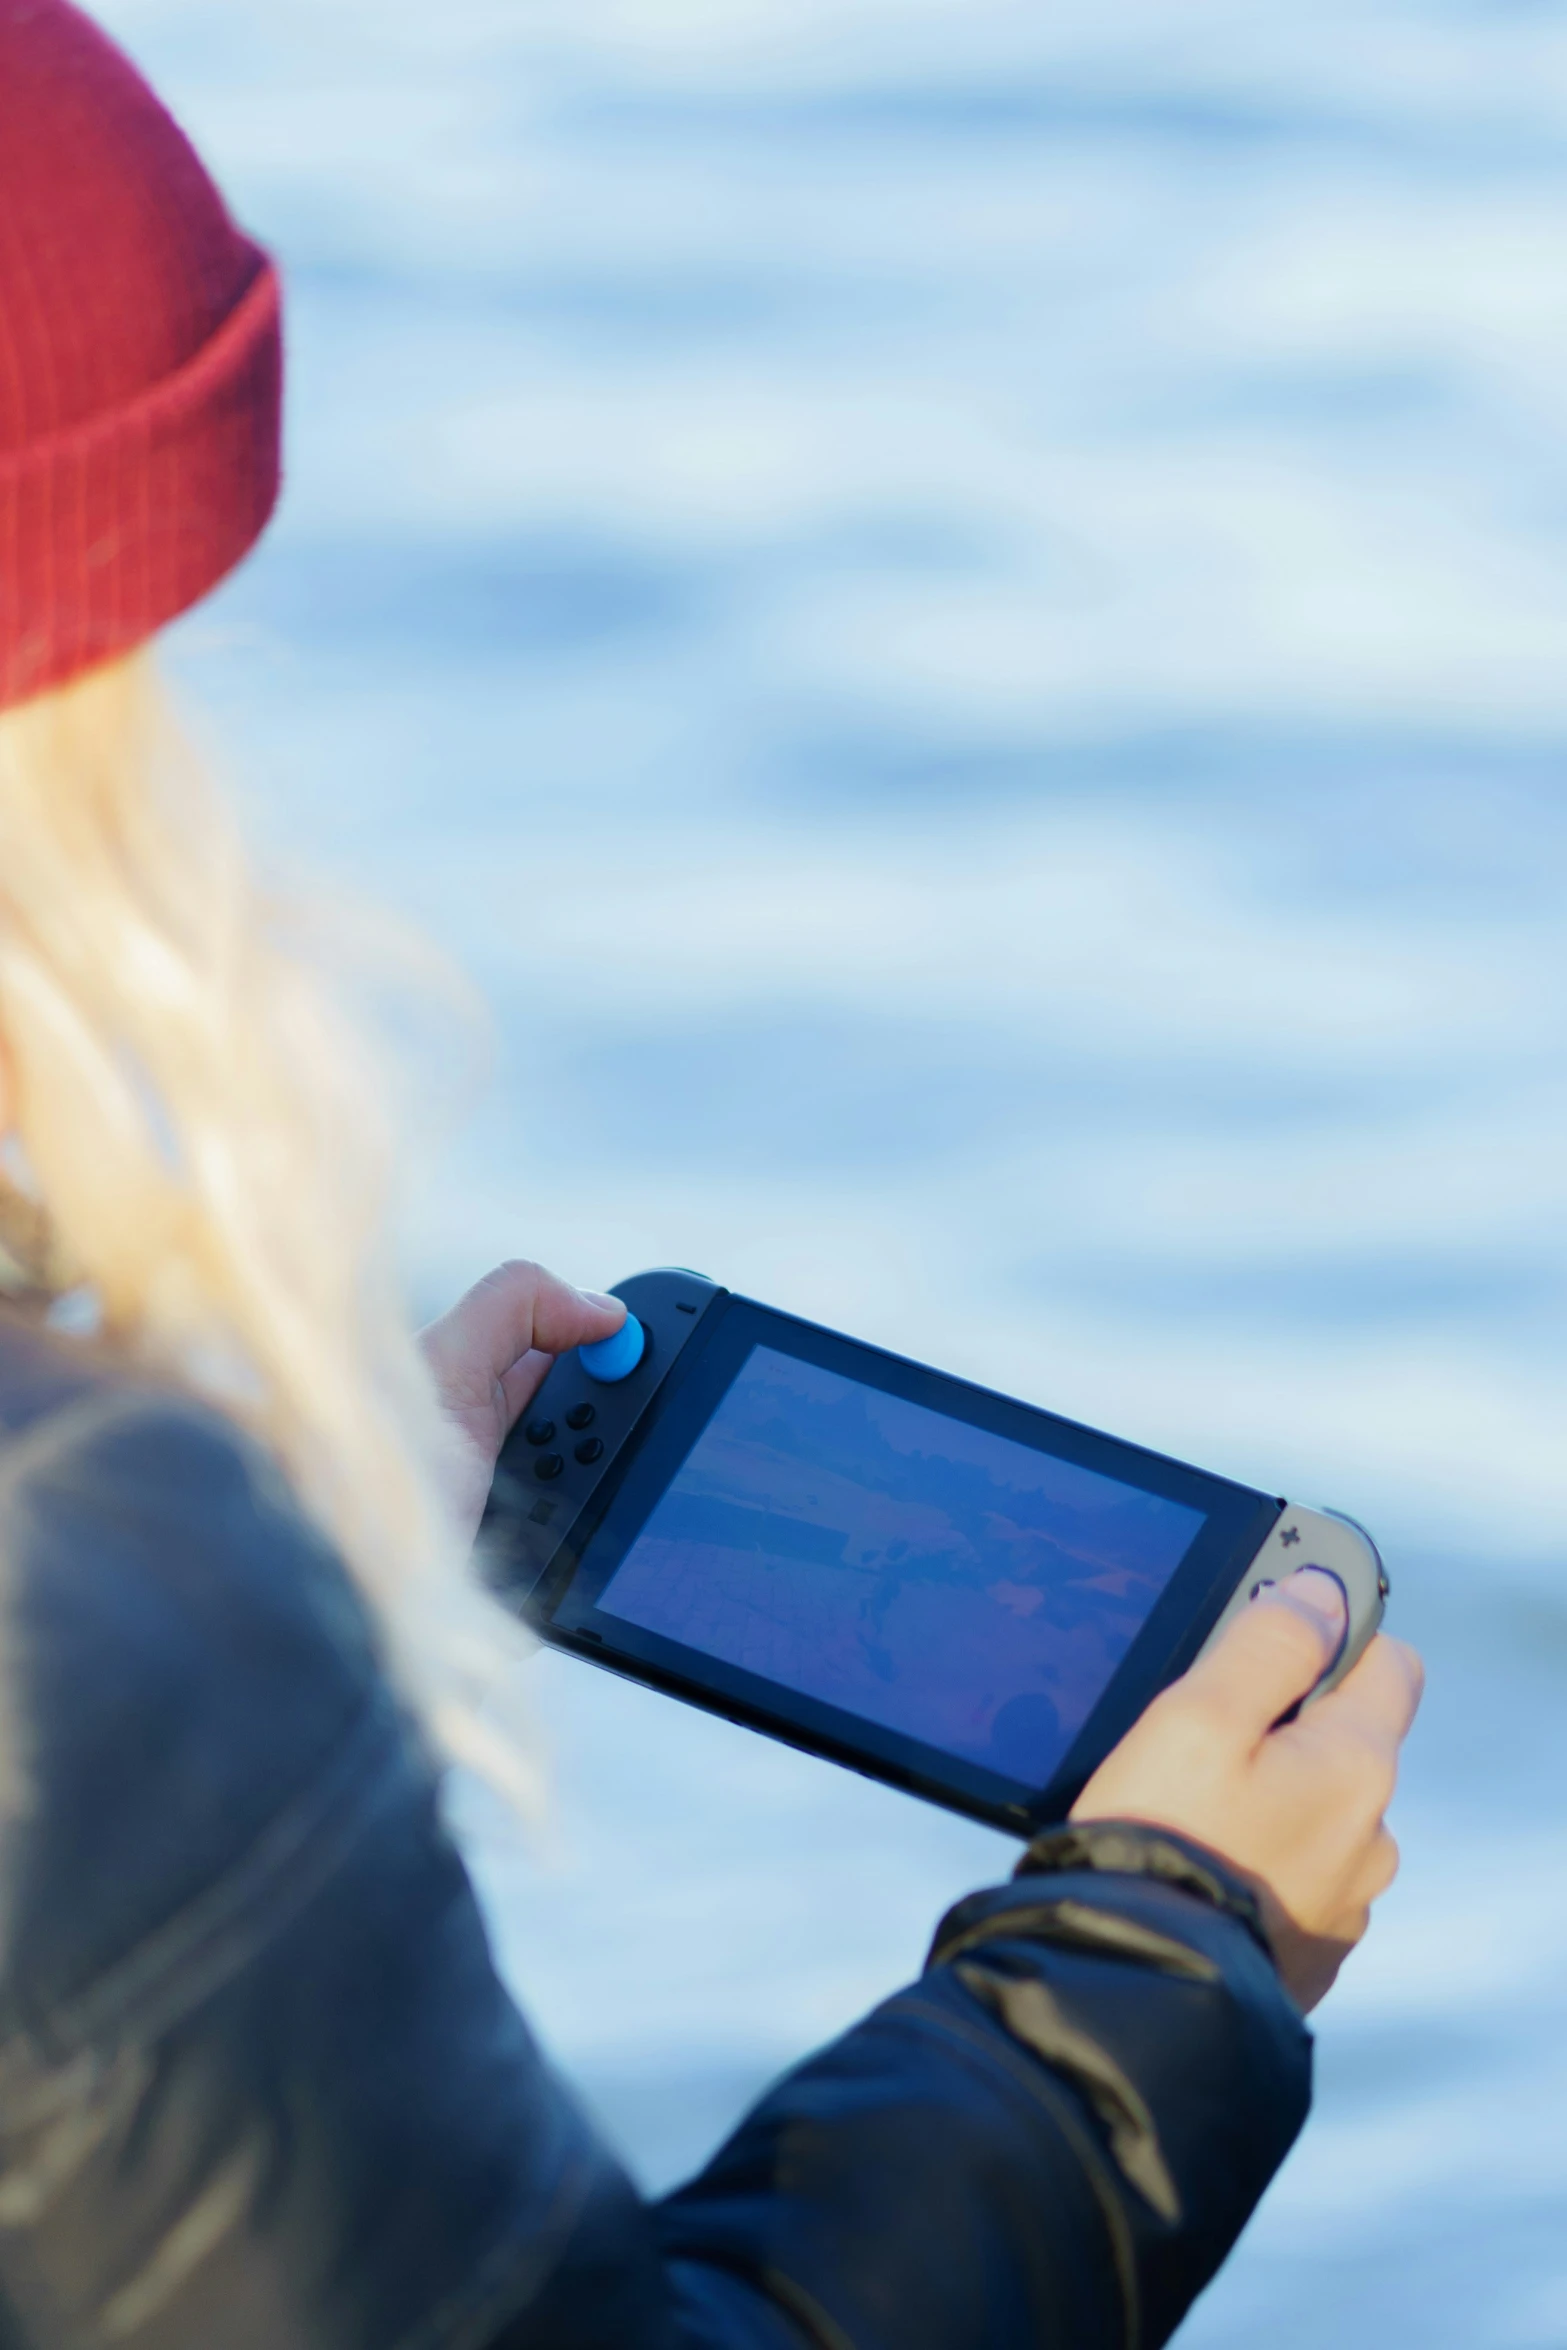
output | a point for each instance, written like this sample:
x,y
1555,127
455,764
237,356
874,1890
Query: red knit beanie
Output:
x,y
140,359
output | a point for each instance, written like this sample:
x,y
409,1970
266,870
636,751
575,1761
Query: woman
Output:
x,y
259,2084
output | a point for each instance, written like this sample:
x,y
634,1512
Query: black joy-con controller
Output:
x,y
561,1457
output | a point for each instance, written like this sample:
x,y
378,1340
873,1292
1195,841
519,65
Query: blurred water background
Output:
x,y
960,612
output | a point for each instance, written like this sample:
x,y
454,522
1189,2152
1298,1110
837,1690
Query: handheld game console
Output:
x,y
936,1585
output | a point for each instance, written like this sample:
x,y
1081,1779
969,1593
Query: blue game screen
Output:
x,y
945,1582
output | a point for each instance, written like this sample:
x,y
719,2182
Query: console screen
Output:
x,y
943,1581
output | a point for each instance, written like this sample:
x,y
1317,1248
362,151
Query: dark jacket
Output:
x,y
260,2085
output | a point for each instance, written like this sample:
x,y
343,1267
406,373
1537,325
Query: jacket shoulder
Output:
x,y
183,1656
259,2079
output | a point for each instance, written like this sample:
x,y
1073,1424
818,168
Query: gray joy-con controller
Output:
x,y
1338,1547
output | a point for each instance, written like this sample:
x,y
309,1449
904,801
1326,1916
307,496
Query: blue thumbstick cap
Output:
x,y
609,1359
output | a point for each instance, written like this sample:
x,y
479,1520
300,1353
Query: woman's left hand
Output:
x,y
488,1357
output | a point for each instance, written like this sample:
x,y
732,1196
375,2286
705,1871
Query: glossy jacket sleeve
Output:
x,y
1053,2138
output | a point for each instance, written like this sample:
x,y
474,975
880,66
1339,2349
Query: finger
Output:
x,y
565,1317
1381,1866
515,1309
522,1382
1379,1699
1273,1654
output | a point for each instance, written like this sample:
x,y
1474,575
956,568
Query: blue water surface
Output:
x,y
959,613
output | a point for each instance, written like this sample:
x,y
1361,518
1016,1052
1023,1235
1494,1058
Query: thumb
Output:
x,y
1275,1653
513,1311
565,1317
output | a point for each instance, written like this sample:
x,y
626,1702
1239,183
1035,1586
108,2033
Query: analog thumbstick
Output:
x,y
610,1359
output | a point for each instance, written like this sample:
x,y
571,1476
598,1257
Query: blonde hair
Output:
x,y
202,1134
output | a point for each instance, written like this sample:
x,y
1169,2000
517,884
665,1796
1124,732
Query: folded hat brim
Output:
x,y
112,528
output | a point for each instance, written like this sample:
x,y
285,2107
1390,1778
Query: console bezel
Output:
x,y
698,1336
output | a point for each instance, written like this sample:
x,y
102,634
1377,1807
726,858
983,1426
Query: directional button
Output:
x,y
548,1464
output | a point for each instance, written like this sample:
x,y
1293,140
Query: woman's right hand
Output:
x,y
1297,1810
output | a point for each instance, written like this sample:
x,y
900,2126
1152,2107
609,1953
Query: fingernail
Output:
x,y
1323,1593
596,1297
